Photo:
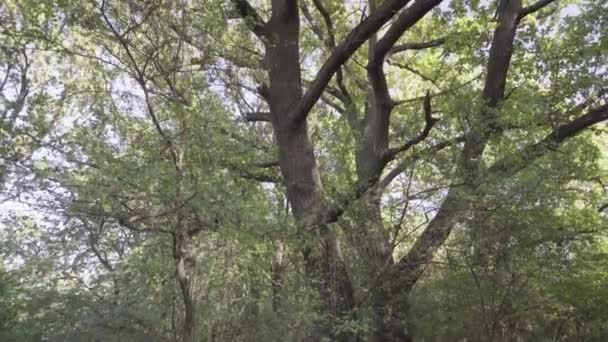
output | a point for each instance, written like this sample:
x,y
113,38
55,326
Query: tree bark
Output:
x,y
185,285
323,261
400,280
278,270
289,108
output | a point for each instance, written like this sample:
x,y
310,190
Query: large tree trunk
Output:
x,y
403,276
389,290
323,260
375,255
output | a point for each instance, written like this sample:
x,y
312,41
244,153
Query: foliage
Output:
x,y
151,188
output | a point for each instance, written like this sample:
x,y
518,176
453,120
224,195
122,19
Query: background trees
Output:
x,y
304,169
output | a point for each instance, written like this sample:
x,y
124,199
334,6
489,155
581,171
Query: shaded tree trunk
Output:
x,y
404,275
289,108
277,271
185,284
323,261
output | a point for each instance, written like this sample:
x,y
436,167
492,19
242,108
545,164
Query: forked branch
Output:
x,y
429,122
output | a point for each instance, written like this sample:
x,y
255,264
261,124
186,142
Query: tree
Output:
x,y
382,128
289,108
26,89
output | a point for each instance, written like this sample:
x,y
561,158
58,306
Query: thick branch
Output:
x,y
509,165
256,175
267,164
253,20
537,6
14,108
411,267
501,51
334,212
408,18
130,225
418,46
257,116
378,117
357,36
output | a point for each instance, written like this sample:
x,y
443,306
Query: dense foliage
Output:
x,y
380,170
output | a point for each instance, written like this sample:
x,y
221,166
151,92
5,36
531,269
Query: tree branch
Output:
x,y
394,173
334,211
140,78
501,51
408,18
537,6
441,93
267,164
509,165
378,116
409,269
331,37
417,46
430,121
253,20
316,29
257,116
331,43
357,36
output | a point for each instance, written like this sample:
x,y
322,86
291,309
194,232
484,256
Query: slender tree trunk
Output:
x,y
278,270
185,285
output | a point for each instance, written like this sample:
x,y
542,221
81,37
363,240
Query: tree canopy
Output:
x,y
303,170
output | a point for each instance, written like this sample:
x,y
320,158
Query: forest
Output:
x,y
303,170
